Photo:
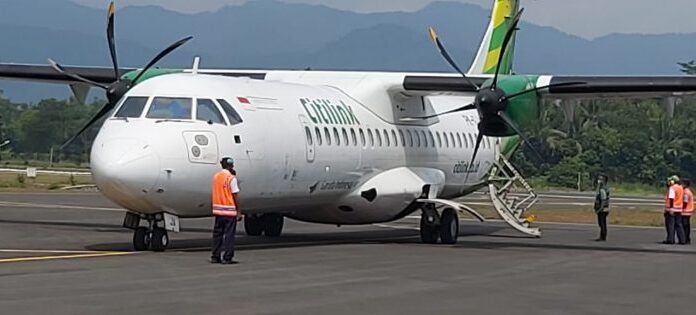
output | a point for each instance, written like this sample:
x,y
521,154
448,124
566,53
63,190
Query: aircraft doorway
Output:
x,y
309,139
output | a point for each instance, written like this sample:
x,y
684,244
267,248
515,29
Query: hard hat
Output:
x,y
674,178
227,161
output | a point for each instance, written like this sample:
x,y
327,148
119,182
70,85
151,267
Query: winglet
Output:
x,y
112,9
433,34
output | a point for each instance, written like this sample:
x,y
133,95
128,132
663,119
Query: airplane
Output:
x,y
328,147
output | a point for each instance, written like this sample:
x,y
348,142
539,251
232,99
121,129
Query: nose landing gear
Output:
x,y
151,237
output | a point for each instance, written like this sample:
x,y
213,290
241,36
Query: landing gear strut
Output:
x,y
153,236
269,224
434,226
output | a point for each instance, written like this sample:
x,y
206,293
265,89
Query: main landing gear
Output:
x,y
151,237
434,226
269,224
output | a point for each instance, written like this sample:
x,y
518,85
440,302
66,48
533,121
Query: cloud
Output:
x,y
586,18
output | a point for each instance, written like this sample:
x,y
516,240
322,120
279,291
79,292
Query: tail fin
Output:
x,y
488,54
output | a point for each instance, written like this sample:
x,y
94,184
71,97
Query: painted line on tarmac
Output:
x,y
47,206
47,251
61,257
638,227
293,244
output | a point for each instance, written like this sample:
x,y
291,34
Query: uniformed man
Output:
x,y
688,210
226,211
601,206
674,202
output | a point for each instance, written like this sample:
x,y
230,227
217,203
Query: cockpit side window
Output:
x,y
170,108
232,114
132,107
207,111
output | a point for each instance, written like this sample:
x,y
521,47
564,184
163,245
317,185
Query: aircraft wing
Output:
x,y
46,74
590,87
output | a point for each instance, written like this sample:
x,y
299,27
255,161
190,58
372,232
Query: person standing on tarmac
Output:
x,y
674,202
226,211
688,210
601,207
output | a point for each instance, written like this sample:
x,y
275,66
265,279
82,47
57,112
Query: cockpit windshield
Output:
x,y
132,107
170,108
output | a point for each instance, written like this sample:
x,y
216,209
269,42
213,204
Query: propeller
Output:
x,y
491,102
120,86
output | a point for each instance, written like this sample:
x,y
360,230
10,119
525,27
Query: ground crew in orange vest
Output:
x,y
688,209
674,203
225,209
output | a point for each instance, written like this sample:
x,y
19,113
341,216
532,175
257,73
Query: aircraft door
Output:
x,y
309,139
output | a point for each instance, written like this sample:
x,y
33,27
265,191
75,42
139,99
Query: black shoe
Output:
x,y
600,240
215,261
667,243
229,262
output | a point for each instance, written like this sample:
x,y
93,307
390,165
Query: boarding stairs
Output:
x,y
512,196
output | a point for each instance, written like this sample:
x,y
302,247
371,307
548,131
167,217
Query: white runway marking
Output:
x,y
48,206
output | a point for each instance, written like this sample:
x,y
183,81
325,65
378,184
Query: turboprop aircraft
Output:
x,y
325,147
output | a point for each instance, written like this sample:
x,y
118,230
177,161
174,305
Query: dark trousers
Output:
x,y
686,222
223,237
674,226
602,221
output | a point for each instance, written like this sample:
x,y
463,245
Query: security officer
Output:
x,y
688,210
674,202
225,209
601,206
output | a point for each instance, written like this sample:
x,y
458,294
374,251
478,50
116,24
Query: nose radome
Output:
x,y
129,166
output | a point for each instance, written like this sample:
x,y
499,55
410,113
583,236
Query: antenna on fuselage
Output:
x,y
196,64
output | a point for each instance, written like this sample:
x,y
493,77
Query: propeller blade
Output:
x,y
479,139
511,96
506,42
111,40
74,76
161,55
103,111
461,109
448,58
512,125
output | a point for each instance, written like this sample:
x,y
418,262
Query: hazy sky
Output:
x,y
586,18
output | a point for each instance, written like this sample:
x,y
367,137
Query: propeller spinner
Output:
x,y
117,89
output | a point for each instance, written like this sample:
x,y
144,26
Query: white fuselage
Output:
x,y
298,151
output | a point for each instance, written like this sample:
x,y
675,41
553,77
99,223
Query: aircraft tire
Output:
x,y
428,232
141,239
253,225
160,240
449,226
273,224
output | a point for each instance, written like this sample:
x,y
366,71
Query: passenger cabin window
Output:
x,y
396,143
132,107
232,114
372,137
309,136
319,140
379,138
170,108
328,136
466,141
345,136
386,138
208,112
439,139
352,135
403,140
459,140
338,139
362,138
410,138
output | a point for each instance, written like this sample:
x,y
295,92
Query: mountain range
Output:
x,y
270,34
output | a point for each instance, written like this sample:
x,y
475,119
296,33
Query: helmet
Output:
x,y
227,162
674,178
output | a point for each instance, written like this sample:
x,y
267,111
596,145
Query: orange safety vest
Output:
x,y
224,204
678,202
689,206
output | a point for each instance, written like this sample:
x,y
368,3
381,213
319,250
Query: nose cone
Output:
x,y
126,170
